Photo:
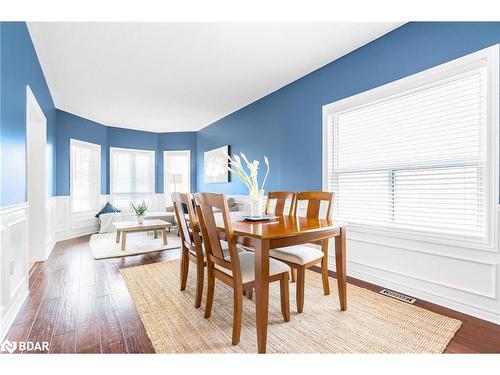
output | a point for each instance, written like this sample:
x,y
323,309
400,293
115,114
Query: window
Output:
x,y
132,176
177,170
85,162
418,153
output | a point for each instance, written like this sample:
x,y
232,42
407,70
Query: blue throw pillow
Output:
x,y
107,209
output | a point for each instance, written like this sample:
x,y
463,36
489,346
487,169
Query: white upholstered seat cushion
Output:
x,y
225,248
298,254
247,264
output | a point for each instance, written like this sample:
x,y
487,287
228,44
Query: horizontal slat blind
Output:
x,y
132,176
85,186
82,179
414,160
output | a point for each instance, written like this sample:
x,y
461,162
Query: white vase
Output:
x,y
140,219
256,203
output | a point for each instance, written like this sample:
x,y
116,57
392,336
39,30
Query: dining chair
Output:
x,y
191,245
235,269
281,198
302,257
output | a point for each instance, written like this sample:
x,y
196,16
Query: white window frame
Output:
x,y
165,175
488,57
131,150
97,188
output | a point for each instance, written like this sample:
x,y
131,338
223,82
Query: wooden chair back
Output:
x,y
205,204
314,199
281,198
189,232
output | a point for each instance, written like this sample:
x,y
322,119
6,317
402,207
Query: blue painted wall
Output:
x,y
72,126
20,67
287,124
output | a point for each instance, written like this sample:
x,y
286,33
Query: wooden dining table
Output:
x,y
280,232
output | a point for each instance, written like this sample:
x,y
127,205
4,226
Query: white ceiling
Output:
x,y
166,77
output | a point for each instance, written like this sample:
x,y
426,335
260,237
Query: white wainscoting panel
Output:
x,y
13,262
463,279
68,225
71,226
159,203
458,277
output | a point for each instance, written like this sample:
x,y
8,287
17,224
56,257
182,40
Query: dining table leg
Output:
x,y
261,292
340,265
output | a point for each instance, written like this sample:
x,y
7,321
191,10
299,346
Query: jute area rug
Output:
x,y
372,323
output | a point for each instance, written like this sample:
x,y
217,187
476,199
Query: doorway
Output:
x,y
177,173
36,174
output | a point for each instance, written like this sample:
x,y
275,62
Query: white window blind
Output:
x,y
85,179
132,176
415,160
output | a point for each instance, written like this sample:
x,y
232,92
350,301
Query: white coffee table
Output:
x,y
125,227
167,216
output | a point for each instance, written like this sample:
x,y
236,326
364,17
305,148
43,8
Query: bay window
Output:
x,y
85,185
132,176
419,153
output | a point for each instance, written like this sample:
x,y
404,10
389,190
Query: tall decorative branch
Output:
x,y
250,178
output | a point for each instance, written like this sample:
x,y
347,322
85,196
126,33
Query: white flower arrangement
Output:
x,y
250,178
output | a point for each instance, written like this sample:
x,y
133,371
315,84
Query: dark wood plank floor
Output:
x,y
81,305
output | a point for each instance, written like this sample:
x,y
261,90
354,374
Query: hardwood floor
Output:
x,y
80,305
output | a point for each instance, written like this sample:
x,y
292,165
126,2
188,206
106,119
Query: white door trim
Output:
x,y
165,183
37,206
